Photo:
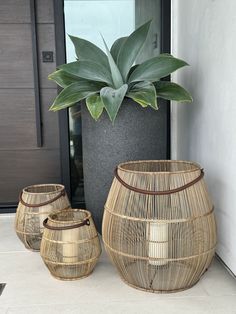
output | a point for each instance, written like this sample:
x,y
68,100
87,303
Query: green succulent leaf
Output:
x,y
95,106
115,48
165,54
172,91
112,99
104,80
156,68
74,93
115,72
131,48
132,69
63,78
85,50
88,70
144,93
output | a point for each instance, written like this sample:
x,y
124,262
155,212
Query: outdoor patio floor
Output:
x,y
30,289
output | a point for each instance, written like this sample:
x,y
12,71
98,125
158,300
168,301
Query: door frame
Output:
x,y
63,115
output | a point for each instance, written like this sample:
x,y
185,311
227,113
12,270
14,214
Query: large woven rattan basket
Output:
x,y
158,226
36,202
70,245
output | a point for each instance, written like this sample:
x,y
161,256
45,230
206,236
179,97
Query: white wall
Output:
x,y
204,34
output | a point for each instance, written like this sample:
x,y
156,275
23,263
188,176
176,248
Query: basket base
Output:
x,y
158,291
70,279
26,244
32,250
155,289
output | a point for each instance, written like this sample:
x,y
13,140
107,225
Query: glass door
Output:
x,y
113,19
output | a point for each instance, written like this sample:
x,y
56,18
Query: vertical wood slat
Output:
x,y
38,115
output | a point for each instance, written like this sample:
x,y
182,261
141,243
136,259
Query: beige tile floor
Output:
x,y
31,290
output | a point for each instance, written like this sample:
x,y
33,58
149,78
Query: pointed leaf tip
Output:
x,y
156,68
73,94
95,106
172,91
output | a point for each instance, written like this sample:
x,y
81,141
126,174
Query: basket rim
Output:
x,y
196,166
60,186
69,221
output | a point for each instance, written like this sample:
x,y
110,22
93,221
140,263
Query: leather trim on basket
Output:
x,y
62,193
181,188
83,223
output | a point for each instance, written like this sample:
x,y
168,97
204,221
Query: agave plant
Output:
x,y
103,80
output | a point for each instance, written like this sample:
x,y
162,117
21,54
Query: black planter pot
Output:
x,y
137,134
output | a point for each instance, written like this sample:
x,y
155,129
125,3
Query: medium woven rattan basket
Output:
x,y
158,226
36,202
70,245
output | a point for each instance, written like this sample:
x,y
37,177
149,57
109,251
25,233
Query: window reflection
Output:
x,y
77,178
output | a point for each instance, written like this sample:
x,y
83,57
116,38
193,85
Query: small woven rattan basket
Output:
x,y
70,245
36,202
158,226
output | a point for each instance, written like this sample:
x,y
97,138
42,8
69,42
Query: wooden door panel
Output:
x,y
26,167
14,11
50,119
16,67
17,114
18,11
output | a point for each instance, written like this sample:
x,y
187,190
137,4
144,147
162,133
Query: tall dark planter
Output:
x,y
137,134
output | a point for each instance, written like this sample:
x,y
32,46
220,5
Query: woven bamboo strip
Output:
x,y
159,243
150,258
153,220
